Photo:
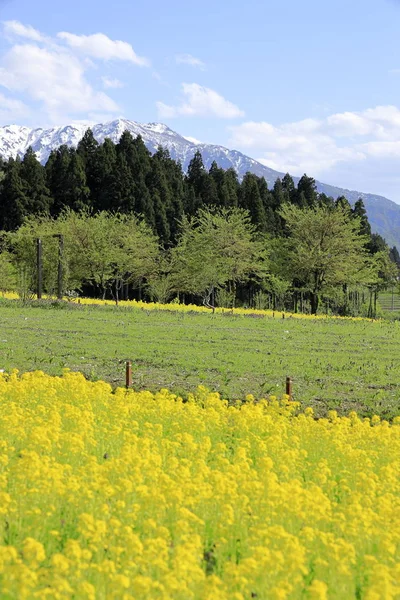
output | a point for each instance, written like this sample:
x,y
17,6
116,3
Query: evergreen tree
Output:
x,y
104,176
377,244
343,203
268,201
56,174
394,255
36,190
173,174
250,200
161,196
360,212
288,189
327,201
76,190
66,179
137,159
209,192
119,191
306,195
218,176
195,173
87,149
13,200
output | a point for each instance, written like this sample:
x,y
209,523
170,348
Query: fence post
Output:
x,y
39,264
60,266
128,374
289,387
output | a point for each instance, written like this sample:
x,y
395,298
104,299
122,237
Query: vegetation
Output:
x,y
135,225
340,364
134,495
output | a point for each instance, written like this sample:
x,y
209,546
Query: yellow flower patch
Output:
x,y
133,495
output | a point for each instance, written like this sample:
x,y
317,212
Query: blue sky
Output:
x,y
305,86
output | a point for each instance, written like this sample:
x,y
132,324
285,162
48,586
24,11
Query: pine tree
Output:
x,y
306,195
250,199
327,201
218,176
37,192
267,201
77,192
118,194
13,200
173,174
233,188
161,196
66,180
360,212
342,202
394,256
288,188
87,148
104,176
195,173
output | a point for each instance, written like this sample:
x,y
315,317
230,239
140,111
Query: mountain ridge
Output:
x,y
384,214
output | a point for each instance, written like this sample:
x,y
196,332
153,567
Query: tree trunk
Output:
x,y
314,302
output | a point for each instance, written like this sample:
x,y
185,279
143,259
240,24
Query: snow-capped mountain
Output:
x,y
15,140
383,214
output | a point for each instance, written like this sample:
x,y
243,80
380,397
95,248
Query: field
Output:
x,y
339,364
134,496
108,493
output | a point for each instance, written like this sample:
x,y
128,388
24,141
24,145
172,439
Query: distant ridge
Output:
x,y
384,214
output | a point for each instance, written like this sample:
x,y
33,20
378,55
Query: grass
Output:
x,y
335,363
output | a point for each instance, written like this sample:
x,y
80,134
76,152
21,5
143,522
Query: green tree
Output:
x,y
360,213
101,250
306,194
217,249
324,249
66,179
250,200
37,192
13,201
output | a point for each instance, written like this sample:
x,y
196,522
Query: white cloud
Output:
x,y
109,82
200,101
17,29
188,59
359,150
55,79
102,47
11,109
52,72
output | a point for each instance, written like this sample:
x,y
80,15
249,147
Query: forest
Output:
x,y
134,225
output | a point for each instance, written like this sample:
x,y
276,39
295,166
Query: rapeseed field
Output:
x,y
132,495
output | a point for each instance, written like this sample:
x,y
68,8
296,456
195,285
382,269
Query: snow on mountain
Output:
x,y
383,214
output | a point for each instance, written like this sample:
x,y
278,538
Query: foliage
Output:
x,y
324,248
98,249
217,249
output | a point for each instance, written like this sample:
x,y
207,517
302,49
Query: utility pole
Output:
x,y
39,264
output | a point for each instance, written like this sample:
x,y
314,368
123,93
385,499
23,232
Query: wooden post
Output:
x,y
39,265
289,387
128,374
60,265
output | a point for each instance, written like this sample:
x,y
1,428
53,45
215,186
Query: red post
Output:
x,y
128,374
289,387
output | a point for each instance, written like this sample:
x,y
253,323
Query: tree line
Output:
x,y
136,224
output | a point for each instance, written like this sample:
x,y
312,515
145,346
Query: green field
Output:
x,y
336,364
